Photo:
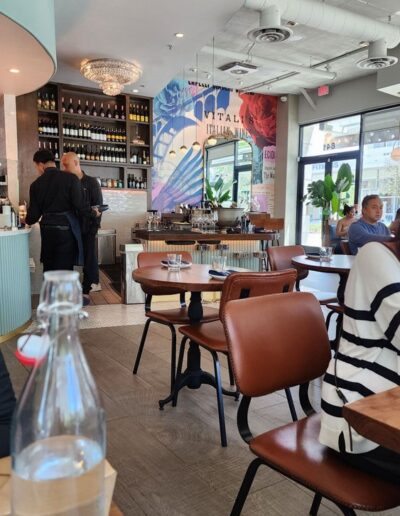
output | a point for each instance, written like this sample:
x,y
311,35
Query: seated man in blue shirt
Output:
x,y
368,228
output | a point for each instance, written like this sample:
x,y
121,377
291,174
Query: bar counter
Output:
x,y
165,235
240,248
15,285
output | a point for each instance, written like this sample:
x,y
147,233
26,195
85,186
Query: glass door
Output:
x,y
311,217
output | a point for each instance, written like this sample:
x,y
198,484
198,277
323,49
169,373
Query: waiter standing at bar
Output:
x,y
89,220
55,199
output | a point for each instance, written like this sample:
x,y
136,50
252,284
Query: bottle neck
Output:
x,y
63,331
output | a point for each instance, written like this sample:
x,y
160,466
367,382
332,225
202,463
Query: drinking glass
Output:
x,y
325,254
218,263
174,262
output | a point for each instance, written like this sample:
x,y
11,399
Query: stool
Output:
x,y
240,256
263,258
202,248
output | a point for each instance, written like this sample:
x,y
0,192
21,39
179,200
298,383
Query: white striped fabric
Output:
x,y
368,358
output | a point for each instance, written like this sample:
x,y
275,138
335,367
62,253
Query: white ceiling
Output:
x,y
141,32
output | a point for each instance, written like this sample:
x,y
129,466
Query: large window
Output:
x,y
232,161
370,143
324,148
380,173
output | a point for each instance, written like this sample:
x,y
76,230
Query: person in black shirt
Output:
x,y
55,199
7,405
89,220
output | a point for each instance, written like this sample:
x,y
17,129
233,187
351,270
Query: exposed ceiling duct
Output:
x,y
270,29
269,63
325,17
377,57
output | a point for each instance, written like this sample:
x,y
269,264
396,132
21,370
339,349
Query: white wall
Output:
x,y
346,98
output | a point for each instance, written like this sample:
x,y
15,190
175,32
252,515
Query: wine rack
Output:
x,y
111,135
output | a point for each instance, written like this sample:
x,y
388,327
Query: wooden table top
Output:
x,y
180,236
192,279
377,418
340,263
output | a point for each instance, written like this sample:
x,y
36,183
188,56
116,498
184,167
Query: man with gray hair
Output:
x,y
368,228
89,221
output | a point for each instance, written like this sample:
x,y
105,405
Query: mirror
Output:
x,y
232,160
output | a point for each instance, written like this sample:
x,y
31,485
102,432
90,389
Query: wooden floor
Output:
x,y
107,295
170,462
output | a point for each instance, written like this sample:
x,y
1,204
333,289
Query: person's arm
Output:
x,y
34,212
384,284
341,230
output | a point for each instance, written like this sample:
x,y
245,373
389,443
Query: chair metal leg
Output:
x,y
291,404
315,505
231,377
245,487
346,510
179,368
173,355
141,346
220,401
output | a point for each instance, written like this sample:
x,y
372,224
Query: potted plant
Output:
x,y
328,195
220,192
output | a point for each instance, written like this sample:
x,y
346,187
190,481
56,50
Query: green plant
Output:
x,y
218,192
327,194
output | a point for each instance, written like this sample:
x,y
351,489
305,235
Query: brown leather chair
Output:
x,y
171,317
281,258
211,336
268,339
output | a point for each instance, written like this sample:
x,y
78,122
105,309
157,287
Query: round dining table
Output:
x,y
339,264
194,279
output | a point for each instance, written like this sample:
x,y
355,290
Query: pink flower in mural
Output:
x,y
258,113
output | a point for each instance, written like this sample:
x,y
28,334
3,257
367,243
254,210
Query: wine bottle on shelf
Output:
x,y
39,100
116,112
122,112
55,128
144,159
141,113
56,155
87,109
52,102
108,113
101,111
80,130
144,184
63,105
94,110
79,107
46,102
92,154
70,106
146,114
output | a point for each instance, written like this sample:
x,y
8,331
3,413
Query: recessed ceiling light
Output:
x,y
135,91
13,70
364,43
179,34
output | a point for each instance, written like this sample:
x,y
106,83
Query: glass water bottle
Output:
x,y
58,433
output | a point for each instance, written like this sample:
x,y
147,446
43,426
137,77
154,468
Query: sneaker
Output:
x,y
85,300
95,287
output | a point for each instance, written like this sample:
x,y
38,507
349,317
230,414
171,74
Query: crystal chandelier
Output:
x,y
111,74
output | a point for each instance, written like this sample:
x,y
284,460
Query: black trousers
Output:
x,y
59,248
7,404
91,266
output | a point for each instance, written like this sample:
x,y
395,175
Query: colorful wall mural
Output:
x,y
185,112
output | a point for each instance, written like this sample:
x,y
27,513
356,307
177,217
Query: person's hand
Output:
x,y
96,211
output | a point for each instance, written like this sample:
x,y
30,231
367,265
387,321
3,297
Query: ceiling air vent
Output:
x,y
377,57
237,68
270,29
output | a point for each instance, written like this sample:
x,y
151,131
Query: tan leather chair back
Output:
x,y
153,260
280,257
252,284
276,341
